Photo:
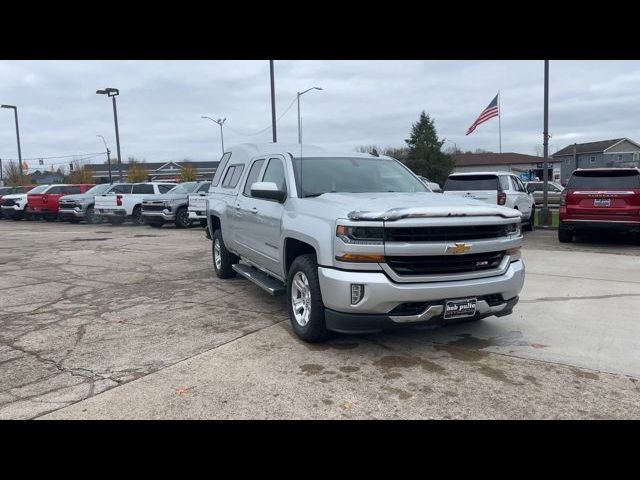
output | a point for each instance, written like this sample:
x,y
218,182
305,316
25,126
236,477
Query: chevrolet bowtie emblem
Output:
x,y
458,248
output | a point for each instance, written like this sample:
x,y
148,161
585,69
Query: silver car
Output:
x,y
554,192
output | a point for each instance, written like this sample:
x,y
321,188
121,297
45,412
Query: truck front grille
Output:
x,y
443,264
444,234
8,203
152,208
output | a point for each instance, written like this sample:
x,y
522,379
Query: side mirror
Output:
x,y
268,191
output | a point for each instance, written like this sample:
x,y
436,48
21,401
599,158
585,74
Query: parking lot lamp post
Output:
x,y
15,113
299,118
113,93
545,215
108,156
219,122
455,145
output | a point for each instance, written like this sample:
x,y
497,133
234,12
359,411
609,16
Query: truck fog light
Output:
x,y
357,292
514,253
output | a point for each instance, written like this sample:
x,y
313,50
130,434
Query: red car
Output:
x,y
46,203
600,199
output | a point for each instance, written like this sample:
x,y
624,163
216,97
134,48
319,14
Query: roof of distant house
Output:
x,y
591,147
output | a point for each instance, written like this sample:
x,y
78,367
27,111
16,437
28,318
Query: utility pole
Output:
x,y
1,174
113,93
545,216
273,103
108,156
15,113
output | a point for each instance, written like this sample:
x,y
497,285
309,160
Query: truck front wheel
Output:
x,y
182,218
306,309
223,259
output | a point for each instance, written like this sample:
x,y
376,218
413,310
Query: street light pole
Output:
x,y
299,118
108,156
546,214
113,93
15,113
273,103
219,122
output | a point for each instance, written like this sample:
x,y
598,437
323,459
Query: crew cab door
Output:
x,y
261,218
519,197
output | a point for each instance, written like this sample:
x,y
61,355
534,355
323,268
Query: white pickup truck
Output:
x,y
198,204
117,207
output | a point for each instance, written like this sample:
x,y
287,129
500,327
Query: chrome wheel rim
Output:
x,y
183,217
91,215
217,256
301,299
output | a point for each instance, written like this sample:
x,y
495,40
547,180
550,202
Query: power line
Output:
x,y
267,128
95,154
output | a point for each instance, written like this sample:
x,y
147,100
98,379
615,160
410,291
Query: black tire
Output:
x,y
528,227
203,223
136,216
315,330
91,216
182,218
72,220
17,216
227,259
564,235
155,224
50,217
116,220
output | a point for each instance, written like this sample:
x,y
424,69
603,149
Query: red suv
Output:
x,y
46,203
600,199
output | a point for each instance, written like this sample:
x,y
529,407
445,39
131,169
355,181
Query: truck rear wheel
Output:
x,y
306,309
91,216
564,235
137,217
223,259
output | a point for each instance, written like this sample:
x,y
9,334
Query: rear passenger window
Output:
x,y
471,182
232,177
143,188
55,190
120,189
223,163
72,190
204,187
253,176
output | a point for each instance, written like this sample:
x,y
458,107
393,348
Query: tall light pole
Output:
x,y
113,93
299,120
273,103
15,113
219,122
455,146
545,214
108,156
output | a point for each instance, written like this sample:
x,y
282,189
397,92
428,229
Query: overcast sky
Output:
x,y
362,102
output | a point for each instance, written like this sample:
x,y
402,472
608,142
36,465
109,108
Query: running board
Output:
x,y
264,281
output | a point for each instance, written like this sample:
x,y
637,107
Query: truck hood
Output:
x,y
78,196
165,196
15,196
391,206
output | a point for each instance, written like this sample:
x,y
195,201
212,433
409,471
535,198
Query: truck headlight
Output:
x,y
360,235
514,229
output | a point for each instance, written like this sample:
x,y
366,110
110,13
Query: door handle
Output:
x,y
254,210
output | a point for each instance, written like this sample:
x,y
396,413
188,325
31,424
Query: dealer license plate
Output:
x,y
464,307
602,202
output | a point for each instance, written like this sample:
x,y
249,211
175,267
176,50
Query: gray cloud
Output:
x,y
363,102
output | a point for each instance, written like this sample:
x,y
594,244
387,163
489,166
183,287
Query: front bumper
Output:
x,y
166,215
13,208
72,212
381,296
197,215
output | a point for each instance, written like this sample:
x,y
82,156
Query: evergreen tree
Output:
x,y
425,156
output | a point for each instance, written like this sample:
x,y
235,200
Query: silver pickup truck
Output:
x,y
357,242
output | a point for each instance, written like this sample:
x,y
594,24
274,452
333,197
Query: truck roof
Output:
x,y
246,151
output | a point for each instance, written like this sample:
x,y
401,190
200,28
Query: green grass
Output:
x,y
554,218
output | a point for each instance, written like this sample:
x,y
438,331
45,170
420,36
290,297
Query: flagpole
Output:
x,y
499,122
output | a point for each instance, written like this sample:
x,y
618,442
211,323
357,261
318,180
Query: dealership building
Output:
x,y
527,167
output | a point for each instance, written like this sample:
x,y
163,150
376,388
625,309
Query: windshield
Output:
x,y
98,189
39,189
470,182
5,190
316,176
188,187
605,179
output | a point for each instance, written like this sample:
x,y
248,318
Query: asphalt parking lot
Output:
x,y
101,321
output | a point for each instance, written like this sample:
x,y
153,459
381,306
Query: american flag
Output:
x,y
491,111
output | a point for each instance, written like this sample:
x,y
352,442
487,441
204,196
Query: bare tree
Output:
x,y
12,174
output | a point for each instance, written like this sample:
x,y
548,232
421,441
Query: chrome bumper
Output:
x,y
381,295
71,212
111,212
163,215
197,215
